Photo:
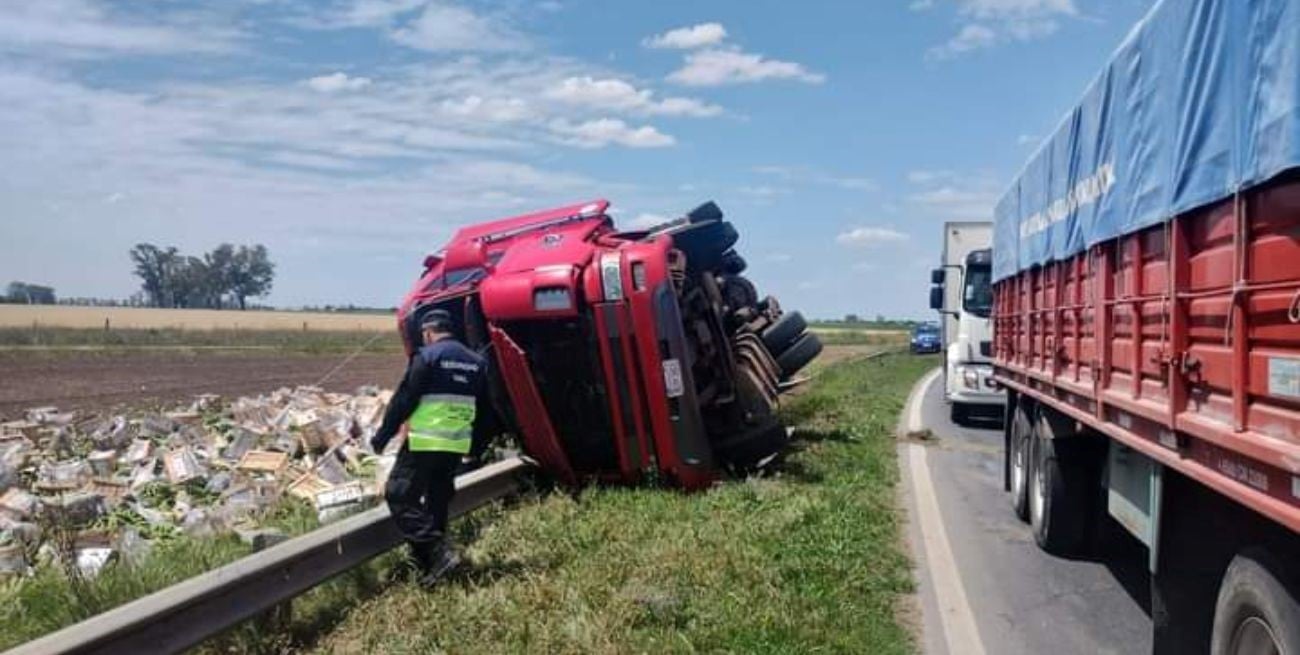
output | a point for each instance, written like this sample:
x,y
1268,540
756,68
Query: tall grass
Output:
x,y
807,560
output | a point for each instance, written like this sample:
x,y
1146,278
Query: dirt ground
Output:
x,y
142,379
102,382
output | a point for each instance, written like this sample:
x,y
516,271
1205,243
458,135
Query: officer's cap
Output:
x,y
437,319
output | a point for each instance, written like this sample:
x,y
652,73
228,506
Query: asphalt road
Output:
x,y
985,587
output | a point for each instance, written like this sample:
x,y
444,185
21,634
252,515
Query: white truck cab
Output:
x,y
962,292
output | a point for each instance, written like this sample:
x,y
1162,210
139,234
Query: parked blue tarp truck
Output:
x,y
1147,321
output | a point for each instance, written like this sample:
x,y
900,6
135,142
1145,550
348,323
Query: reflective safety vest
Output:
x,y
442,423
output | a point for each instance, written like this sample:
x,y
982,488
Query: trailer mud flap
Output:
x,y
538,434
1133,495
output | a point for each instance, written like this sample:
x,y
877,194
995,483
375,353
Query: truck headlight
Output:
x,y
611,276
970,378
551,299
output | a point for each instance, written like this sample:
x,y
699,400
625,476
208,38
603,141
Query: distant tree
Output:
x,y
30,294
251,274
155,267
189,284
220,269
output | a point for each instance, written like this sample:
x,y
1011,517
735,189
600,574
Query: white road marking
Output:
x,y
917,399
959,630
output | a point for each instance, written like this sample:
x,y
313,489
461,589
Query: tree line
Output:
x,y
226,277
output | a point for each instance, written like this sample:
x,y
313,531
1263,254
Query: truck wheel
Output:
x,y
783,332
1022,434
1058,499
958,413
1256,611
798,355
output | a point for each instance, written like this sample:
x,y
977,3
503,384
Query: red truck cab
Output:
x,y
619,356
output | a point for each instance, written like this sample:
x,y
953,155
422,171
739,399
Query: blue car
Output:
x,y
925,339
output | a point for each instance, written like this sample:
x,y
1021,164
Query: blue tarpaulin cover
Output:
x,y
1201,100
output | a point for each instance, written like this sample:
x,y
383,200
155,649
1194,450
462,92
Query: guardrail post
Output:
x,y
277,618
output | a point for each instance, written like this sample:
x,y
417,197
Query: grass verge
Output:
x,y
807,560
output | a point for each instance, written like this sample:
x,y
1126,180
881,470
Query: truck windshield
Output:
x,y
977,296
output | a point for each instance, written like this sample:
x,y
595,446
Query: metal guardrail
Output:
x,y
186,613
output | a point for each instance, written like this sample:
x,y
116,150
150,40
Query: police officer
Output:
x,y
442,398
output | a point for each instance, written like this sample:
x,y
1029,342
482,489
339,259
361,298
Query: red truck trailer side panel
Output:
x,y
1181,340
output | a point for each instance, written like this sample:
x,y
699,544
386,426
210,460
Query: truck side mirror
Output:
x,y
937,275
465,255
936,296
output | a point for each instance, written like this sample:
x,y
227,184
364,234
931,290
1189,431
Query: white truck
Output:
x,y
961,290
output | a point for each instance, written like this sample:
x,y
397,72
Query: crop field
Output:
x,y
138,318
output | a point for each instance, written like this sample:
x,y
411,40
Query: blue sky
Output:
x,y
351,137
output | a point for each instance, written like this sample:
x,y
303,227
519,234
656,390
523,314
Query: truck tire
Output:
x,y
1018,442
1058,498
798,355
779,335
1256,612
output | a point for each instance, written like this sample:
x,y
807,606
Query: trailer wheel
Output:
x,y
1256,611
783,332
1018,447
798,355
1058,498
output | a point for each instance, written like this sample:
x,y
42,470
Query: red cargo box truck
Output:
x,y
1147,321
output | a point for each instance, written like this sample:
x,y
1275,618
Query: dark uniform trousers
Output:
x,y
419,491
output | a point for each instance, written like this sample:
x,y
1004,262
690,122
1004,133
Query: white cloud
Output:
x,y
779,257
645,220
971,37
602,132
950,195
927,177
763,191
313,160
617,95
717,67
497,110
864,267
1026,139
1017,8
79,28
799,174
921,5
449,28
338,81
954,202
868,236
991,22
687,38
367,13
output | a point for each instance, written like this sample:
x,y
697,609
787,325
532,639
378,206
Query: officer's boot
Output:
x,y
420,557
443,559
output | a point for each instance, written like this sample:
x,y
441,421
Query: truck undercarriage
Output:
x,y
620,356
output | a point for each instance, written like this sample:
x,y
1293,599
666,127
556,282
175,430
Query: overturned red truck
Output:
x,y
620,356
